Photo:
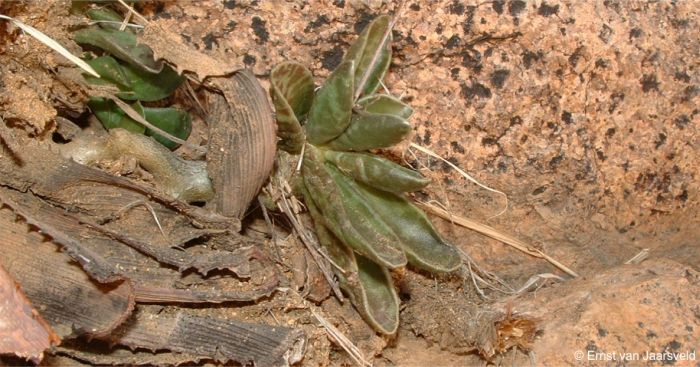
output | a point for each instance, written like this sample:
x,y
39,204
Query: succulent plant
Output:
x,y
357,199
130,68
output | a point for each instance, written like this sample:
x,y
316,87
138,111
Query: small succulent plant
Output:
x,y
356,198
130,67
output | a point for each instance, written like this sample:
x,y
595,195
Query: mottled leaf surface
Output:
x,y
332,107
120,44
371,53
371,131
377,172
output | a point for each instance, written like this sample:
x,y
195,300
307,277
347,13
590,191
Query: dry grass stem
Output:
x,y
464,174
48,41
310,245
132,11
639,257
497,235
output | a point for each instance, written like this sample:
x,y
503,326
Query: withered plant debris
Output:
x,y
155,328
242,142
71,302
23,332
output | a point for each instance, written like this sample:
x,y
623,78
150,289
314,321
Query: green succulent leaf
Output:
x,y
120,44
113,117
291,90
369,285
377,172
378,301
331,109
105,14
371,131
347,214
171,120
423,246
371,55
134,84
385,104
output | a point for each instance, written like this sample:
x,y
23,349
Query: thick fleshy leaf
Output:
x,y
385,104
369,285
331,109
377,172
379,302
371,131
295,83
371,55
347,214
120,44
420,241
113,117
171,120
105,14
292,90
134,84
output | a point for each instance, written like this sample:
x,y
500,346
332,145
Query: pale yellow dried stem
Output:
x,y
497,235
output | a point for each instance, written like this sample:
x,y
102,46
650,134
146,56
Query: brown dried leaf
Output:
x,y
242,142
71,302
23,332
218,338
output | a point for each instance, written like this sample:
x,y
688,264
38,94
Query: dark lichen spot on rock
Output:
x,y
602,332
682,76
339,3
331,59
539,190
592,347
605,33
489,141
529,57
515,120
439,28
476,89
249,60
573,59
426,137
456,7
683,196
546,10
229,4
452,42
320,20
414,7
567,118
690,92
260,31
469,22
362,21
456,147
472,59
554,162
209,41
516,7
635,33
681,121
660,140
230,26
649,83
454,73
602,63
498,78
497,6
615,99
610,132
601,156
